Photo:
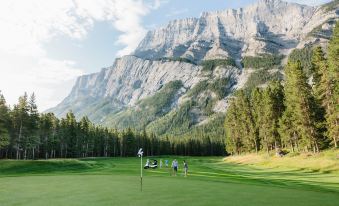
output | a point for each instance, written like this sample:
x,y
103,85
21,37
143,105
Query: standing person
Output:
x,y
166,163
160,163
185,168
175,167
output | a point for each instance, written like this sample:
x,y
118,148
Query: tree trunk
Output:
x,y
17,145
33,153
316,146
256,146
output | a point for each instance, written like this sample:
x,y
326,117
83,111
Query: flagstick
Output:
x,y
141,173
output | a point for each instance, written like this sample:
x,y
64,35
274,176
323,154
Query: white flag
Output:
x,y
140,153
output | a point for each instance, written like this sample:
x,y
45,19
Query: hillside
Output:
x,y
180,77
324,162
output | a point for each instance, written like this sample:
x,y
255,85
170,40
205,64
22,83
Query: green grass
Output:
x,y
115,181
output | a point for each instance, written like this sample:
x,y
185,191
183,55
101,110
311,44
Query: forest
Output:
x,y
27,134
301,115
297,114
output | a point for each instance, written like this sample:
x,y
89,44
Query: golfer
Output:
x,y
185,168
175,167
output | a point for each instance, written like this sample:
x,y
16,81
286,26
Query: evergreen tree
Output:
x,y
257,109
232,127
287,130
277,95
48,126
32,139
4,123
331,99
300,106
84,137
266,128
20,120
71,135
320,85
248,133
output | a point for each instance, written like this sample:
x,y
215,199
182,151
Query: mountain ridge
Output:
x,y
198,53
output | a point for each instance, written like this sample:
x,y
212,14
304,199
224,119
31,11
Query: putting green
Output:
x,y
115,181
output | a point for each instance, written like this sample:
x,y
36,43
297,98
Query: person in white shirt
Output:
x,y
175,167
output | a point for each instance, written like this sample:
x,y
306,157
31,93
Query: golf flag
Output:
x,y
140,153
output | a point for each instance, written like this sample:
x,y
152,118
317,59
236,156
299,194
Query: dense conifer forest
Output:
x,y
299,113
27,134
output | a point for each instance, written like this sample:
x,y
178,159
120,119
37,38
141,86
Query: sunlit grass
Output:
x,y
116,181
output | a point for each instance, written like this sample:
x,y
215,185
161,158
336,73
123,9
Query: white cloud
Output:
x,y
51,80
25,26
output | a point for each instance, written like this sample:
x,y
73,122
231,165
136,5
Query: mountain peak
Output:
x,y
162,63
267,26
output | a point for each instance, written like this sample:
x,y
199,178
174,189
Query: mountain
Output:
x,y
269,26
180,76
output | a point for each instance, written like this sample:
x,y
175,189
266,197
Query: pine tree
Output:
x,y
84,126
277,95
248,132
320,85
32,139
331,99
232,127
71,135
266,128
4,123
48,126
20,121
257,109
319,67
287,130
300,106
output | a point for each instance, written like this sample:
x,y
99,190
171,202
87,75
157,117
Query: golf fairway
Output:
x,y
116,181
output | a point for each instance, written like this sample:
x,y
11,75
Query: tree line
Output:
x,y
301,115
27,134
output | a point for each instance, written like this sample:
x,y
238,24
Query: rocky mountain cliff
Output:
x,y
269,26
181,75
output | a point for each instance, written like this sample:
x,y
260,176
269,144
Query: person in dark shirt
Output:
x,y
185,168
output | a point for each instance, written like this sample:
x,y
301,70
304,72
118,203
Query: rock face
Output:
x,y
269,26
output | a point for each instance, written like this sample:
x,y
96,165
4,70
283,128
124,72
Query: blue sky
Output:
x,y
99,49
45,45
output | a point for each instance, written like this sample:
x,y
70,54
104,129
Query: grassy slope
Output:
x,y
325,162
115,181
